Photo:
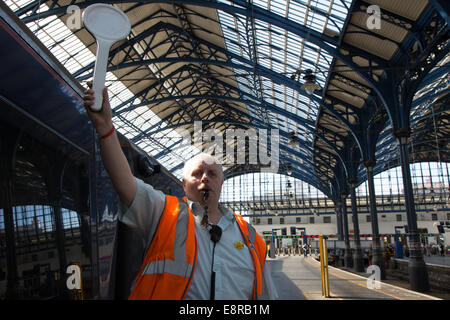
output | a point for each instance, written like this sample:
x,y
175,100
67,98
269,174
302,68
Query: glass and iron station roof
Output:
x,y
338,79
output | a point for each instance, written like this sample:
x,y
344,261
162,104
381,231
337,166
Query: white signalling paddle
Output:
x,y
108,25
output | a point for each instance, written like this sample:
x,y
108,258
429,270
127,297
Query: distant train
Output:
x,y
59,232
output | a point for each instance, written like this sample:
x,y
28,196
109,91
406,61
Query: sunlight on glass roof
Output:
x,y
283,52
270,46
74,55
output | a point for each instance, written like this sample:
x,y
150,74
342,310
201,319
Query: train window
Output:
x,y
44,219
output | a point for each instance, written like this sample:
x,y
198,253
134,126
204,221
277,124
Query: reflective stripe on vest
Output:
x,y
169,264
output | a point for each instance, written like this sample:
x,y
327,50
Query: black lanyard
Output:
x,y
216,233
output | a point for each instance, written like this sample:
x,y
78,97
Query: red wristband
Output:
x,y
109,133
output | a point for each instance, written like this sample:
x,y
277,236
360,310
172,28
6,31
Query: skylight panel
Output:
x,y
278,67
293,39
296,12
262,37
279,7
322,5
265,62
339,12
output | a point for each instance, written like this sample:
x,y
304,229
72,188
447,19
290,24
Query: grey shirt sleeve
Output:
x,y
145,211
272,293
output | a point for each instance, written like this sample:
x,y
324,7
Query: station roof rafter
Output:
x,y
240,65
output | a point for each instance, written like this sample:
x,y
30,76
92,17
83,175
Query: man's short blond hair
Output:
x,y
209,159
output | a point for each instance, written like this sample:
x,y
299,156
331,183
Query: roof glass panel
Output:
x,y
278,49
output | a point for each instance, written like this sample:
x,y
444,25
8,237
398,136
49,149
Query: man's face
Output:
x,y
203,176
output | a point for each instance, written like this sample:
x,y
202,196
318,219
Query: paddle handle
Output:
x,y
100,72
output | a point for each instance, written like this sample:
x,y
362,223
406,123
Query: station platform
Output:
x,y
299,278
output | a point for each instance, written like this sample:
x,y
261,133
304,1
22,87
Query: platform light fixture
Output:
x,y
288,169
310,84
292,136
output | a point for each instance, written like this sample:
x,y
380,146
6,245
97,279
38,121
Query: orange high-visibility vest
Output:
x,y
170,261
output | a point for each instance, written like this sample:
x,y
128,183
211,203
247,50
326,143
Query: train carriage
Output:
x,y
59,230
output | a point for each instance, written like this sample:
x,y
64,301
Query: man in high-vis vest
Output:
x,y
196,248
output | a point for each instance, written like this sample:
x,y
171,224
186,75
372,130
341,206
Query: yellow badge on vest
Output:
x,y
239,245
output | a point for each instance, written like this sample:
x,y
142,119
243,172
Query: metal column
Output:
x,y
377,258
348,251
418,275
358,263
339,220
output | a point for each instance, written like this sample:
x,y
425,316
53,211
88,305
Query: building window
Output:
x,y
269,221
298,220
448,216
434,216
399,217
326,219
281,220
368,219
311,219
258,220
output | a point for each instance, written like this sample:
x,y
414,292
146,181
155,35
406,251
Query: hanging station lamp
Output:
x,y
310,84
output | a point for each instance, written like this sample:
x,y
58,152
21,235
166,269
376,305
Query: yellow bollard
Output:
x,y
324,267
321,264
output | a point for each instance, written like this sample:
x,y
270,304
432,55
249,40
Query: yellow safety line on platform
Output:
x,y
335,270
361,285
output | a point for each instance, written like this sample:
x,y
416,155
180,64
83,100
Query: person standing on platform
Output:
x,y
197,248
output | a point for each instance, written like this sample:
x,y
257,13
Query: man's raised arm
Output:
x,y
113,159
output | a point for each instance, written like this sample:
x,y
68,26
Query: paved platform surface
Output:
x,y
298,278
